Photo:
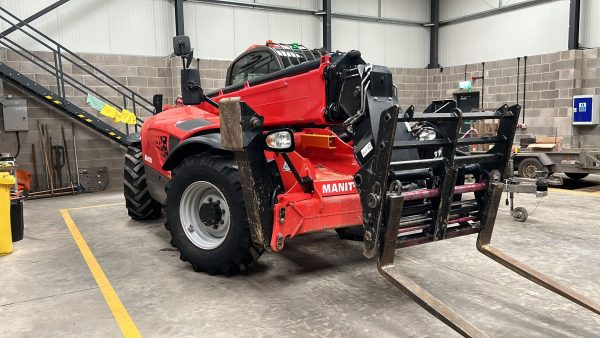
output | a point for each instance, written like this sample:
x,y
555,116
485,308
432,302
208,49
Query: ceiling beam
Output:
x,y
285,9
495,11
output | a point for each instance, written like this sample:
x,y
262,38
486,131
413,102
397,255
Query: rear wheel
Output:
x,y
529,167
206,216
140,205
576,176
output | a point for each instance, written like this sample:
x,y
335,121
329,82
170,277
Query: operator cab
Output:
x,y
260,60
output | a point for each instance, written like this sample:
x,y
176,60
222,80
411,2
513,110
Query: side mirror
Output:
x,y
281,141
157,103
191,90
181,45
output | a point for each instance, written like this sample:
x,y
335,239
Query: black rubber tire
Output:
x,y
140,205
576,176
351,233
237,252
528,163
520,214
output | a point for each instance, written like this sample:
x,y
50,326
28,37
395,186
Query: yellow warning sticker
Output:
x,y
111,133
81,116
48,97
88,120
57,102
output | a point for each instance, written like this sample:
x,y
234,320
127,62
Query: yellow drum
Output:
x,y
6,182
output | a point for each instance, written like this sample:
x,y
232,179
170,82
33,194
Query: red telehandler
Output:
x,y
305,140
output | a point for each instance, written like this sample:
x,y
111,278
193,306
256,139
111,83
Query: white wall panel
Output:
x,y
164,26
589,30
345,6
412,10
312,31
450,9
529,31
139,27
127,19
345,34
244,37
406,46
214,34
84,26
386,44
145,27
372,40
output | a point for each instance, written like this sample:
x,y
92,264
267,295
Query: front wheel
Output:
x,y
206,215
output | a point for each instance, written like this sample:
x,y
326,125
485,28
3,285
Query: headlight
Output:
x,y
426,134
280,140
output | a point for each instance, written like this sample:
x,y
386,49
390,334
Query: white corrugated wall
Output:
x,y
221,32
387,44
589,30
141,27
533,30
145,27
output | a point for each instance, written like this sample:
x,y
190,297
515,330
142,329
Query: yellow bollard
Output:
x,y
6,182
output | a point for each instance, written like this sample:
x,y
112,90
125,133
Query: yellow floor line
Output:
x,y
575,192
121,315
96,206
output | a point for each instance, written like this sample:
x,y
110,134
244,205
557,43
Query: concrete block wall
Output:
x,y
552,80
145,75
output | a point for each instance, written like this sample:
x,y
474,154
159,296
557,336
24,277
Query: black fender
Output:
x,y
193,145
134,139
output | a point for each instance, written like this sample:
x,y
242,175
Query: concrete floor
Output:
x,y
318,286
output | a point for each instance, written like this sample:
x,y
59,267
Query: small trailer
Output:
x,y
576,163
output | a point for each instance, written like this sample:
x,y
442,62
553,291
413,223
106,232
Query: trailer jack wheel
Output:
x,y
519,214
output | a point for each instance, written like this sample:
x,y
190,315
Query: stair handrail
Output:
x,y
58,52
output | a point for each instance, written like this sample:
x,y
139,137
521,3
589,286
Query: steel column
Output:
x,y
179,24
574,16
327,24
434,31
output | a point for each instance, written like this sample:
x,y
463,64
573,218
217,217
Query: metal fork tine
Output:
x,y
393,274
483,245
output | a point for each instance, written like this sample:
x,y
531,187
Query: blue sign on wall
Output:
x,y
584,111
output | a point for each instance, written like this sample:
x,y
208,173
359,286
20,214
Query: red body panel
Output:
x,y
296,101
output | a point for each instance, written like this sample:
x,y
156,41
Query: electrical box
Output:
x,y
586,109
15,115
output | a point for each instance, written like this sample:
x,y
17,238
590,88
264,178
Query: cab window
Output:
x,y
252,66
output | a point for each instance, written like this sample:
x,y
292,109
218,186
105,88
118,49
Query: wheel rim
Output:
x,y
204,215
530,171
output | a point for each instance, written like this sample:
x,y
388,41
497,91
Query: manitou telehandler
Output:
x,y
307,140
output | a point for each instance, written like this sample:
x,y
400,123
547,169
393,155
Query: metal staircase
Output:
x,y
57,98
